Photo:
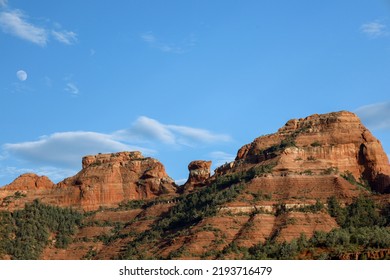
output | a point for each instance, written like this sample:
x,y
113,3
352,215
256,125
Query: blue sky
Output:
x,y
180,80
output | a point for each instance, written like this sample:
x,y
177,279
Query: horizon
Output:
x,y
180,81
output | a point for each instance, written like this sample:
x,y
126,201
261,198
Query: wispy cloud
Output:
x,y
374,29
58,155
65,149
72,88
149,130
196,135
16,23
66,37
220,158
375,116
178,48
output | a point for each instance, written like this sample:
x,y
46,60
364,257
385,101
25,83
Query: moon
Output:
x,y
22,75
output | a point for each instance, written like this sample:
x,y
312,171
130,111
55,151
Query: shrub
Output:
x,y
307,172
317,207
316,144
330,170
347,175
336,211
363,213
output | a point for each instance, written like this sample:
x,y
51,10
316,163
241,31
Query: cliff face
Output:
x,y
108,179
321,144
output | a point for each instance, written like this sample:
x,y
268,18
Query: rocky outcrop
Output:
x,y
108,179
322,144
30,182
104,181
199,173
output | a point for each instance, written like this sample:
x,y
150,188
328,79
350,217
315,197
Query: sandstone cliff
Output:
x,y
108,179
321,145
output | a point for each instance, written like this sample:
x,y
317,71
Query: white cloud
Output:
x,y
15,23
145,129
374,29
66,37
72,88
182,47
197,135
220,158
67,148
375,116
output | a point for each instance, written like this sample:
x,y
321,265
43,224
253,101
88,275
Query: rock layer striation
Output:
x,y
321,145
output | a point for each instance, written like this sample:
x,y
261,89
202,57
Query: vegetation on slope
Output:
x,y
25,233
191,209
364,228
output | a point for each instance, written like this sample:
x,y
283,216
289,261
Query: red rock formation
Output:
x,y
108,179
322,144
199,174
30,181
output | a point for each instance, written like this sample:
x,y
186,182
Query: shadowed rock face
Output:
x,y
321,143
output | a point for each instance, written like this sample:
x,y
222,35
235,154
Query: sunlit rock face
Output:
x,y
108,179
199,173
328,143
